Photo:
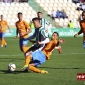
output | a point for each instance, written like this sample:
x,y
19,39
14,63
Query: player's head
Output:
x,y
55,35
70,21
83,15
36,22
19,15
39,14
1,17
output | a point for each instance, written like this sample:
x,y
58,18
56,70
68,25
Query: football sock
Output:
x,y
27,60
32,68
3,42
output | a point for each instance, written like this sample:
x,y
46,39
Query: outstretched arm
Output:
x,y
16,31
79,31
30,37
61,41
45,41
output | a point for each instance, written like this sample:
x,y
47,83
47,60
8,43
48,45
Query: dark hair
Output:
x,y
56,33
70,20
36,18
39,12
83,13
2,15
19,13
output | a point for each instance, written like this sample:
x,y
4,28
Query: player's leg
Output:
x,y
3,42
34,69
0,36
23,45
84,41
59,49
33,48
27,51
27,61
35,59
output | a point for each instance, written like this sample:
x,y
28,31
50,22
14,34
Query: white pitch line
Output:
x,y
52,54
13,55
70,54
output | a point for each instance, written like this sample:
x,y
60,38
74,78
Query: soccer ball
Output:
x,y
11,67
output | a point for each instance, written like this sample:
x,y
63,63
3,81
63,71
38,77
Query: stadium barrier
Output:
x,y
63,32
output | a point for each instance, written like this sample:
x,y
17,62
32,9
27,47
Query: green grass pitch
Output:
x,y
62,68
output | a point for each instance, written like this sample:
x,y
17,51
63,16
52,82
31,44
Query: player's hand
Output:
x,y
75,35
15,37
39,43
61,41
59,49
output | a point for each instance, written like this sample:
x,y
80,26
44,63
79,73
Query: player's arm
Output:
x,y
49,26
43,34
45,41
16,32
30,37
79,31
28,31
61,41
8,27
32,41
28,28
59,47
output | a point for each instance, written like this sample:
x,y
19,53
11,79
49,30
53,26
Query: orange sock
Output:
x,y
27,60
3,42
32,68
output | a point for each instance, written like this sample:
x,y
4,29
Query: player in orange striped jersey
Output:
x,y
82,30
37,58
22,27
3,26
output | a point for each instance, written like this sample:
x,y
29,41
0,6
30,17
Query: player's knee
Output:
x,y
28,54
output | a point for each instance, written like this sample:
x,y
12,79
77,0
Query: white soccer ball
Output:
x,y
11,67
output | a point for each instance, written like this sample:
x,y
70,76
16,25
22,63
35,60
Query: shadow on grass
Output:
x,y
60,68
15,72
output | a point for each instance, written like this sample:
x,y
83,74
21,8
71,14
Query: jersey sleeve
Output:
x,y
44,34
47,22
